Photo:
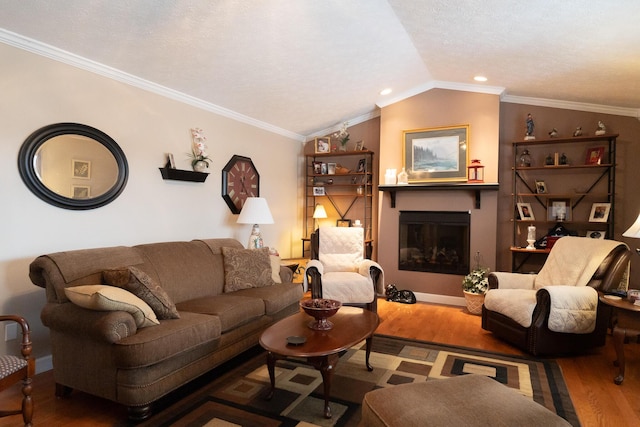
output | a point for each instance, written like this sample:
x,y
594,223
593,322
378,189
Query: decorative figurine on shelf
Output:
x,y
602,129
563,159
525,159
578,131
403,177
548,161
530,128
553,133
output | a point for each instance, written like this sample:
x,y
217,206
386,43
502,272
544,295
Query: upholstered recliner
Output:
x,y
557,310
338,270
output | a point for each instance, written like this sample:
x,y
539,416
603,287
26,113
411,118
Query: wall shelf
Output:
x,y
182,175
476,188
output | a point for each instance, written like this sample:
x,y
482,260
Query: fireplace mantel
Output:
x,y
476,188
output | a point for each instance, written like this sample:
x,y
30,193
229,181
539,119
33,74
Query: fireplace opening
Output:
x,y
434,241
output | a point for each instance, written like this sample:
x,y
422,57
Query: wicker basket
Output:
x,y
474,302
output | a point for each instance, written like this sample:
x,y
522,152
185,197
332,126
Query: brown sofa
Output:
x,y
106,354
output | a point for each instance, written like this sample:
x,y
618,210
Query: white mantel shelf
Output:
x,y
476,188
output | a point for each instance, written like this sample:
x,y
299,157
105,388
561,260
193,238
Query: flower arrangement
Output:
x,y
343,135
198,153
476,281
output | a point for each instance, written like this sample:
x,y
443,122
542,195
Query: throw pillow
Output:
x,y
246,268
144,287
275,268
111,298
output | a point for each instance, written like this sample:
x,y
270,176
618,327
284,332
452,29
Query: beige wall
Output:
x,y
37,91
438,108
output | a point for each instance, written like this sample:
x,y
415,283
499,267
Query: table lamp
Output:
x,y
255,211
634,231
318,213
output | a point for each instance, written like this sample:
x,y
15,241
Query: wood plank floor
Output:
x,y
598,401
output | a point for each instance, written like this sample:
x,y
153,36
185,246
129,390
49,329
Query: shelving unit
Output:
x,y
576,183
182,175
349,191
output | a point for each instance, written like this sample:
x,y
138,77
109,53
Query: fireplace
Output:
x,y
434,241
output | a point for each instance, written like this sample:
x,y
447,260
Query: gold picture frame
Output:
x,y
322,145
436,154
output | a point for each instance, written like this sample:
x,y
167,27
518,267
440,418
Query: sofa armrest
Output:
x,y
107,326
504,280
286,274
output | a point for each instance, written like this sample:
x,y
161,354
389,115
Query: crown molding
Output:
x,y
354,121
56,54
571,105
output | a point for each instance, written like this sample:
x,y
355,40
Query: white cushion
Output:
x,y
341,248
111,298
347,287
517,304
275,268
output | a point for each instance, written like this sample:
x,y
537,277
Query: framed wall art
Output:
x,y
81,169
80,191
322,145
525,211
600,212
436,154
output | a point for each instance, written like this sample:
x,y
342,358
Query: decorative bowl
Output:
x,y
320,309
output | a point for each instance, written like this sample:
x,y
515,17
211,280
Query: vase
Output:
x,y
343,147
200,166
474,302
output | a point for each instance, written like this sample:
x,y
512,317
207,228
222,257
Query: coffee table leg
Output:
x,y
326,365
368,353
271,367
618,344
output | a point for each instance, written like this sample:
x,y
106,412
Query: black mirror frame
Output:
x,y
30,177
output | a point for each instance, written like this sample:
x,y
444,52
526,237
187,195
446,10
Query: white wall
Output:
x,y
36,91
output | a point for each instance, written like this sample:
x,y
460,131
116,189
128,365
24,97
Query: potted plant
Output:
x,y
199,158
475,285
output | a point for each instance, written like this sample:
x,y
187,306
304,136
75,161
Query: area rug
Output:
x,y
236,397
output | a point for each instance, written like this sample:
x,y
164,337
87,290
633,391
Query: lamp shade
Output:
x,y
255,211
319,212
634,230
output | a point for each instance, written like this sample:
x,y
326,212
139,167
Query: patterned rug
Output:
x,y
235,395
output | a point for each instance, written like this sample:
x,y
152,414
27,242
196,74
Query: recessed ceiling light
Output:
x,y
480,78
386,91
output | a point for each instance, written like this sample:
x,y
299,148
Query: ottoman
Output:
x,y
466,400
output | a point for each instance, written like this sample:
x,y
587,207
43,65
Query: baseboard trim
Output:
x,y
440,299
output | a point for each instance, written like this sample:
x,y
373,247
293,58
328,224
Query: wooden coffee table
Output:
x,y
321,348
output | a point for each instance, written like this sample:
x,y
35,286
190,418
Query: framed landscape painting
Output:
x,y
436,154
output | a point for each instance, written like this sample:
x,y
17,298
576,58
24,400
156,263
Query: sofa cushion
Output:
x,y
144,287
246,268
276,297
275,268
111,298
175,336
232,310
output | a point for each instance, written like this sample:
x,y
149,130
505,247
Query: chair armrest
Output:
x,y
373,269
106,326
504,280
313,272
568,309
26,345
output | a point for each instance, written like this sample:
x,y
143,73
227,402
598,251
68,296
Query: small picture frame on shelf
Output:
x,y
596,234
600,212
359,145
318,191
171,163
317,168
362,165
525,212
331,168
541,187
323,168
322,145
343,223
594,156
559,210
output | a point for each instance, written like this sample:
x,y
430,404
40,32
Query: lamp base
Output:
x,y
530,244
255,239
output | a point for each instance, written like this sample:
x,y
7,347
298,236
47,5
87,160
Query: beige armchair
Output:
x,y
338,270
557,310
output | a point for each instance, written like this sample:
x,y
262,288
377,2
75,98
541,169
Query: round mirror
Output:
x,y
73,166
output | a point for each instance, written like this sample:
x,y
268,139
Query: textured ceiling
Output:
x,y
304,66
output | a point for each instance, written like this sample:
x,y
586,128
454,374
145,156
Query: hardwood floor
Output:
x,y
598,401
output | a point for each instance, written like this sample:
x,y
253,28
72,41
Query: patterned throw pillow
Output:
x,y
144,287
246,268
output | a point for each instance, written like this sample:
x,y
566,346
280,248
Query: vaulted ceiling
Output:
x,y
302,67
